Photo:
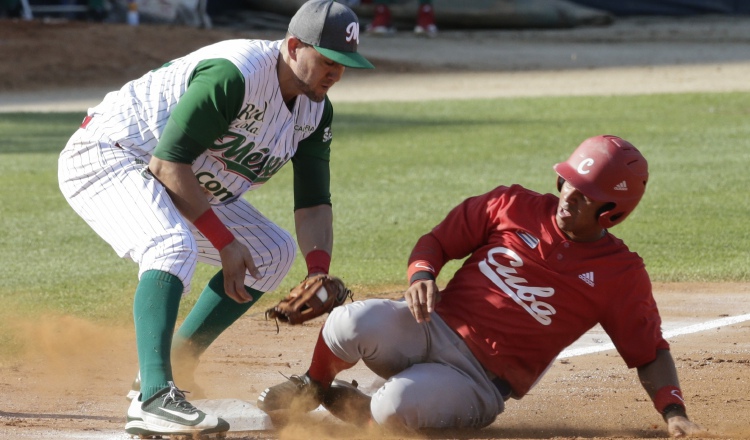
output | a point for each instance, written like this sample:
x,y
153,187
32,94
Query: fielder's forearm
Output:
x,y
314,228
182,186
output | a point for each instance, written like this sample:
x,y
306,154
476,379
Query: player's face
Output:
x,y
577,215
316,74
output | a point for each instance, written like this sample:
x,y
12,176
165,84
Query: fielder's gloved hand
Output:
x,y
313,297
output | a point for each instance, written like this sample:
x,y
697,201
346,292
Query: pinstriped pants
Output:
x,y
113,192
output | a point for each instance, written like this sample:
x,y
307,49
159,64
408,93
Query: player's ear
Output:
x,y
293,45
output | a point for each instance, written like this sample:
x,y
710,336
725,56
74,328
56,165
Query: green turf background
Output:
x,y
397,169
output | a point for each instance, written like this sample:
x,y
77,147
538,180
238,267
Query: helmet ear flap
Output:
x,y
603,215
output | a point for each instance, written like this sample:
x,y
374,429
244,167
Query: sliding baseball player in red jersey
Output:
x,y
159,168
540,271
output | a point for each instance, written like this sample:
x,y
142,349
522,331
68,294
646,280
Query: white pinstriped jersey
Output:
x,y
259,141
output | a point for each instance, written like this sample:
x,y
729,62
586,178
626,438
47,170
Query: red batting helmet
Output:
x,y
607,169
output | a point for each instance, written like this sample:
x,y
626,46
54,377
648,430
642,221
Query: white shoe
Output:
x,y
168,413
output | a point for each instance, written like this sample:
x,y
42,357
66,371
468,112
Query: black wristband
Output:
x,y
674,409
422,275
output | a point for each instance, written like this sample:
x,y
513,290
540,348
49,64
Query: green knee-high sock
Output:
x,y
155,307
213,313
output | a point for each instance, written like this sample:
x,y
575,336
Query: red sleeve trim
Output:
x,y
418,266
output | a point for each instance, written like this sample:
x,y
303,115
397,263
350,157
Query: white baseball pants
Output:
x,y
433,379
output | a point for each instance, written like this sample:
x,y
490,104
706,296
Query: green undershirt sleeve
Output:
x,y
312,175
212,100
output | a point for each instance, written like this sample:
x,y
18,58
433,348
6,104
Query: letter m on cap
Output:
x,y
352,32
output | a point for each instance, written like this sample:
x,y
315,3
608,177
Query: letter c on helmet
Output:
x,y
585,163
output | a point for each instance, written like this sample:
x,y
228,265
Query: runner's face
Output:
x,y
577,215
316,74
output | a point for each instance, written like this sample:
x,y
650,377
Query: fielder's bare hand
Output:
x,y
236,260
680,427
422,296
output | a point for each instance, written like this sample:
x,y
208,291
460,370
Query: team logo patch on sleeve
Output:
x,y
529,239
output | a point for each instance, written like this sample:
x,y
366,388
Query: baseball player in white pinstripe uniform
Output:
x,y
158,170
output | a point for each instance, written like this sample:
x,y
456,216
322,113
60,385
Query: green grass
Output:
x,y
397,170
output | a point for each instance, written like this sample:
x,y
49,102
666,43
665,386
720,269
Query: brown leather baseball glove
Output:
x,y
313,297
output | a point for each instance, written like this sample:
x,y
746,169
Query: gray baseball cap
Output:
x,y
332,29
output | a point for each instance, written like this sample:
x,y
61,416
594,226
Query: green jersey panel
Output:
x,y
213,98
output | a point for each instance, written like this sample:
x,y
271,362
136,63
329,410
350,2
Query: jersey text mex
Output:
x,y
220,109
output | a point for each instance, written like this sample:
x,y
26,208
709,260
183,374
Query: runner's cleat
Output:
x,y
299,391
344,401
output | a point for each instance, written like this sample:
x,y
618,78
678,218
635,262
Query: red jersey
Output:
x,y
526,291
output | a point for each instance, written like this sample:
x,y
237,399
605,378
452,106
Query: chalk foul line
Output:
x,y
695,328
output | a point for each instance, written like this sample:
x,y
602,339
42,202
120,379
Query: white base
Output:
x,y
241,415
